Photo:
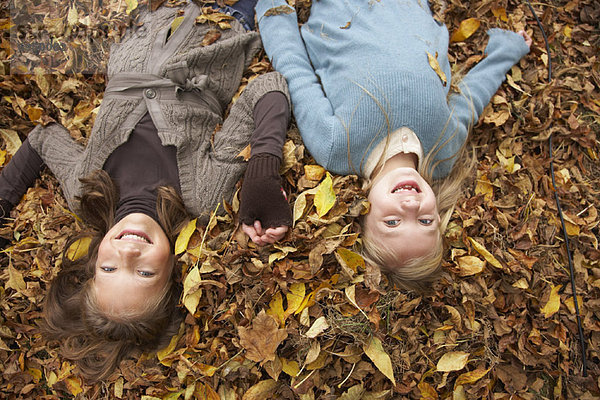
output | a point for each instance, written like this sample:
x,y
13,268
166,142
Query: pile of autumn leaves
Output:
x,y
307,318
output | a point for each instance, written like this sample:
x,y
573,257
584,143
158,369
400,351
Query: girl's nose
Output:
x,y
410,204
129,251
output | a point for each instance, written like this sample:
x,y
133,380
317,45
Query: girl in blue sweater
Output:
x,y
368,102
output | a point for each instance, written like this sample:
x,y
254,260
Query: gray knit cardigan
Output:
x,y
185,87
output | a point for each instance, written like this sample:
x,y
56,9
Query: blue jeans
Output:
x,y
243,11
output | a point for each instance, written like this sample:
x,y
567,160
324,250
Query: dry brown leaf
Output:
x,y
262,338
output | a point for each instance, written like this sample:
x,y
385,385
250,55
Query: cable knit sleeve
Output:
x,y
238,128
218,170
61,154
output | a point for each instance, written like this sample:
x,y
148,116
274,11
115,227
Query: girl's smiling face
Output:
x,y
134,264
403,218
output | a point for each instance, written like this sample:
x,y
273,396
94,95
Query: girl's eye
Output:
x,y
392,222
426,221
146,273
108,269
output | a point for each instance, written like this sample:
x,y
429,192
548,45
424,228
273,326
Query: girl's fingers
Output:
x,y
258,228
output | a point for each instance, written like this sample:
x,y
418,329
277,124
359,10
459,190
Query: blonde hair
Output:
x,y
417,273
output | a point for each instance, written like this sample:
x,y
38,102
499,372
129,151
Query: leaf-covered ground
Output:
x,y
307,319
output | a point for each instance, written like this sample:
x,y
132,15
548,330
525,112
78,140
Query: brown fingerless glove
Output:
x,y
262,197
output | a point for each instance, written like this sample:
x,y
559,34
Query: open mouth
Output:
x,y
134,236
407,187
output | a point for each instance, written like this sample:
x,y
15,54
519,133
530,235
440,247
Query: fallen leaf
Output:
x,y
314,172
261,340
11,140
184,236
433,63
351,259
374,350
245,153
486,254
191,290
427,391
471,376
260,391
282,9
295,298
79,248
319,326
553,304
452,361
324,196
131,5
470,265
466,28
15,279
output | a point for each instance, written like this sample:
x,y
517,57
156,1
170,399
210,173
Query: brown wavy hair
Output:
x,y
94,340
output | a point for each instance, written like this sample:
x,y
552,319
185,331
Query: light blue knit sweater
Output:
x,y
357,61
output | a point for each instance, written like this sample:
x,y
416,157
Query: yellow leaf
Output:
x,y
427,391
325,196
465,30
567,31
471,376
119,387
470,265
73,16
184,237
11,139
262,390
164,352
485,187
553,303
294,298
374,350
290,367
351,259
433,63
131,5
314,172
206,370
73,385
572,228
79,248
453,361
570,303
299,206
318,327
245,153
486,254
175,24
15,279
500,13
2,157
191,290
276,309
521,284
35,373
34,113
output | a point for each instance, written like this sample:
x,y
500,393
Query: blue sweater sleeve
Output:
x,y
313,112
504,49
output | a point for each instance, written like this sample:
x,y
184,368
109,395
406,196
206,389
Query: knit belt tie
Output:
x,y
156,87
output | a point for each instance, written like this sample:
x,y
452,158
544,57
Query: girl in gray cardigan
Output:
x,y
154,157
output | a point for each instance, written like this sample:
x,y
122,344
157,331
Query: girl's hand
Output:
x,y
262,236
526,37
